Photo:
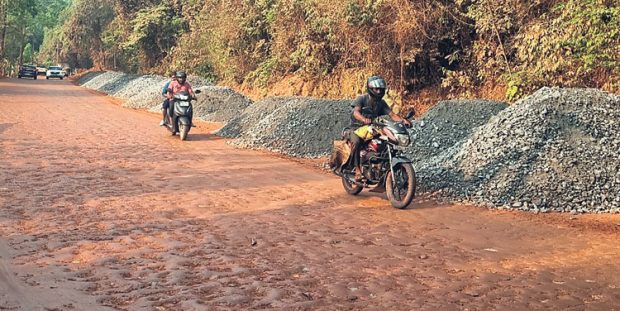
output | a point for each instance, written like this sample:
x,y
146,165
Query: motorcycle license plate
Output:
x,y
184,104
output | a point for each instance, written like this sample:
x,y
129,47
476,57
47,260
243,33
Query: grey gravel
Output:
x,y
439,134
83,79
296,126
105,80
219,103
215,103
556,150
241,123
144,92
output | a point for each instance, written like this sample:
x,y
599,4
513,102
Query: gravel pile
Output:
x,y
105,79
84,78
299,126
215,103
445,127
144,92
557,150
219,104
120,84
241,123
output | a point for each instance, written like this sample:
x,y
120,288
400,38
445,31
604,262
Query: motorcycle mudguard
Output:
x,y
184,121
400,160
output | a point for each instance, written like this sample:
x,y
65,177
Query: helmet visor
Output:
x,y
377,83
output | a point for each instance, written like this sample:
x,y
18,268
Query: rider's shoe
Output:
x,y
161,123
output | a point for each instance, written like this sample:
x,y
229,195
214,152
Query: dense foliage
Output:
x,y
23,25
327,48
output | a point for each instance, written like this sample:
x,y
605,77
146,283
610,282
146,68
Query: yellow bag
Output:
x,y
364,133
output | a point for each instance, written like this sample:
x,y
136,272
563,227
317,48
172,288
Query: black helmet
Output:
x,y
375,86
181,76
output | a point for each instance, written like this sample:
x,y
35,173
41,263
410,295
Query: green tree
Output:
x,y
154,33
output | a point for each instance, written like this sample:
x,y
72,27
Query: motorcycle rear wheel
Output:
x,y
404,192
350,187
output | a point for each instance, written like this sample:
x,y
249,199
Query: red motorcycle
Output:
x,y
384,167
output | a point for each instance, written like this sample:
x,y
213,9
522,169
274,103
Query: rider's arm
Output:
x,y
190,90
357,110
398,118
164,91
357,114
169,92
395,117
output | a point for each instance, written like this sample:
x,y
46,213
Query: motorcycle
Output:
x,y
179,115
384,168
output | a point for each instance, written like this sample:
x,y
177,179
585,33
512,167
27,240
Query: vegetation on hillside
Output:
x,y
327,48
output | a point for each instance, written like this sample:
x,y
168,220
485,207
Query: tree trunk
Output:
x,y
21,46
3,26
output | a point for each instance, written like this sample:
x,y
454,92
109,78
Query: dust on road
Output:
x,y
101,209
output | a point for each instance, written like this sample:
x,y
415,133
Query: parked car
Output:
x,y
55,72
27,71
41,70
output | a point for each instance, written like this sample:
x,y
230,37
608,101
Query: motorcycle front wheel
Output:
x,y
183,130
401,189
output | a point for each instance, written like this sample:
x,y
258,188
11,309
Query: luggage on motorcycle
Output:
x,y
340,154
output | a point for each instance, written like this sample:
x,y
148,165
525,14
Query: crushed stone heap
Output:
x,y
215,103
219,103
556,150
439,133
296,126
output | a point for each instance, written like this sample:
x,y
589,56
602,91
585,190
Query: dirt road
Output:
x,y
101,209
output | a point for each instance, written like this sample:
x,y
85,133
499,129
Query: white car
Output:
x,y
41,69
55,72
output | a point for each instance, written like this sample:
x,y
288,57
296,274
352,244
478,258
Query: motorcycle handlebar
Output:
x,y
377,123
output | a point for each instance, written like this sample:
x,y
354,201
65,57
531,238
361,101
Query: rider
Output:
x,y
166,104
180,85
365,108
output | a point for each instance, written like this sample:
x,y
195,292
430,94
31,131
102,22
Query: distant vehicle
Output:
x,y
27,71
55,72
41,70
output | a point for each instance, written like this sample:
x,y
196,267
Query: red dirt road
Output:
x,y
101,209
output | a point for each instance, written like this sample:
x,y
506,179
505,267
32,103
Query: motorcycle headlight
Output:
x,y
181,97
403,140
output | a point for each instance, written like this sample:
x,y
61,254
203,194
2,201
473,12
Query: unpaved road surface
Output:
x,y
101,209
